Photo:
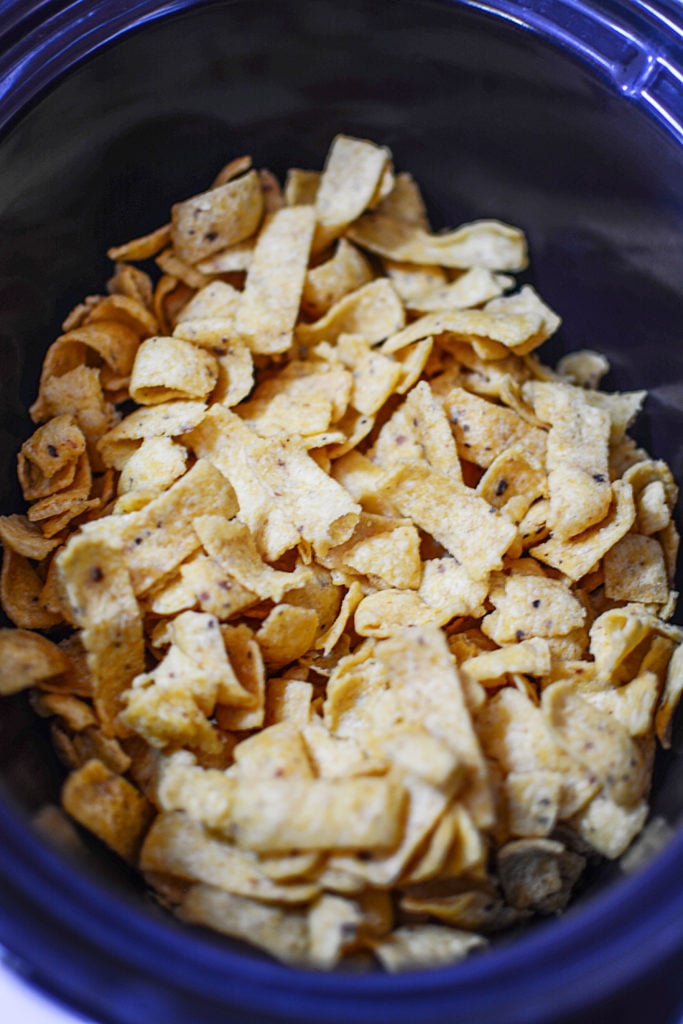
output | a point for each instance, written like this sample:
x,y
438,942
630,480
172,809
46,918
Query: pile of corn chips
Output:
x,y
351,618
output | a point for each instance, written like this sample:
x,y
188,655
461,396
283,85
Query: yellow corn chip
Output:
x,y
231,545
472,288
20,535
318,814
671,696
326,284
349,183
218,218
533,802
532,606
579,555
419,429
483,243
183,848
473,533
98,586
373,311
635,570
142,248
47,461
268,307
600,744
531,657
288,700
577,459
287,634
609,827
483,430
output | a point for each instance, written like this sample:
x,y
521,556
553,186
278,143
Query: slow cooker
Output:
x,y
561,116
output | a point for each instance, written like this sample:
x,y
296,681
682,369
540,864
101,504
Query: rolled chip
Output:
x,y
170,368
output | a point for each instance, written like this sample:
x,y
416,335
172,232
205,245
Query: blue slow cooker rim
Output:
x,y
588,952
52,890
635,45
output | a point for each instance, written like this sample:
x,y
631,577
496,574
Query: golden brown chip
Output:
x,y
28,659
21,590
20,535
142,248
109,806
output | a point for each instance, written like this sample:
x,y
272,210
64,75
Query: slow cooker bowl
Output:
x,y
562,117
